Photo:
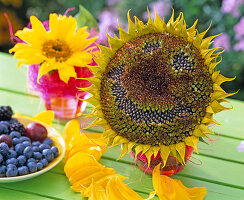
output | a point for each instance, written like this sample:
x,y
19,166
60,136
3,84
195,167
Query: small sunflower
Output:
x,y
155,89
60,48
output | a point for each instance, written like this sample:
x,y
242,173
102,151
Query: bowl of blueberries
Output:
x,y
28,148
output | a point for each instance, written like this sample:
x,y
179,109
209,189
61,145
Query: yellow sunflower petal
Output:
x,y
71,129
78,160
68,24
192,141
171,189
66,71
45,117
117,190
32,37
27,54
80,59
44,69
90,149
84,171
97,192
82,184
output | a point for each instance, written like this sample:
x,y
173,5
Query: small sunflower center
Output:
x,y
156,89
57,49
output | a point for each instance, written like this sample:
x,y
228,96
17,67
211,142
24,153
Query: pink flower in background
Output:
x,y
108,23
239,46
239,29
241,146
112,2
222,41
231,6
163,8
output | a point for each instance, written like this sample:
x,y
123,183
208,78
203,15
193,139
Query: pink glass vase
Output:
x,y
172,166
62,98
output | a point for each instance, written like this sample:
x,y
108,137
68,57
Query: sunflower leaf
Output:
x,y
85,18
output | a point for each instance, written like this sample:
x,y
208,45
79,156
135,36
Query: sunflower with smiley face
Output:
x,y
155,89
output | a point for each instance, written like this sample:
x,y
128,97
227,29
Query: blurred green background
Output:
x,y
226,17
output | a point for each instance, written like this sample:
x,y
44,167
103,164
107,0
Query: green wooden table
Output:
x,y
221,170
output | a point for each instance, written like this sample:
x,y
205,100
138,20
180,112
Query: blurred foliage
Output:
x,y
206,11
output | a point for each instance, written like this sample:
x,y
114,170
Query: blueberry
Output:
x,y
19,148
4,123
11,170
23,170
31,160
48,154
11,154
32,166
36,149
4,148
44,146
1,130
21,160
16,141
36,143
48,141
3,170
15,134
28,151
13,161
37,155
55,151
4,128
39,165
23,138
11,165
26,143
44,162
1,158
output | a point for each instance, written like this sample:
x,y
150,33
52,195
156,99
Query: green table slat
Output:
x,y
49,184
9,194
231,120
12,78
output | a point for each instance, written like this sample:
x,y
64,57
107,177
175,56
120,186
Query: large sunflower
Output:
x,y
60,48
156,89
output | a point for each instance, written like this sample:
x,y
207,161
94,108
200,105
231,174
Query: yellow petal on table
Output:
x,y
84,172
97,189
118,190
71,129
90,149
45,117
97,192
77,161
83,139
171,189
82,184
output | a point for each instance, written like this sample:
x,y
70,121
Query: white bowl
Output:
x,y
57,140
